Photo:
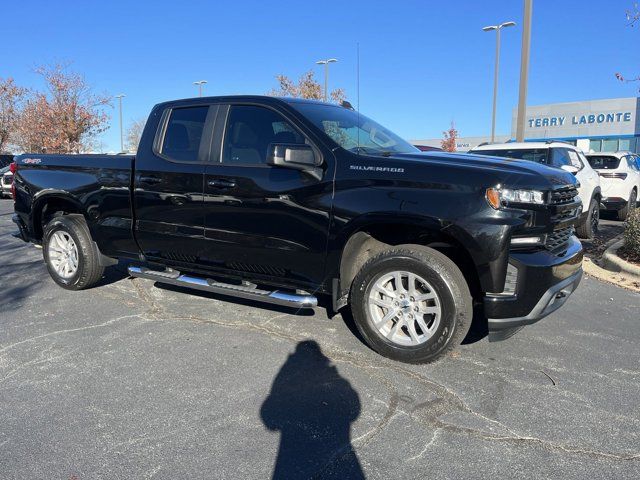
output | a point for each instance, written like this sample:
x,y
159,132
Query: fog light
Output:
x,y
526,241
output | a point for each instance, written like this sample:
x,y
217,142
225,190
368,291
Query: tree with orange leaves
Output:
x,y
11,97
307,87
66,118
450,139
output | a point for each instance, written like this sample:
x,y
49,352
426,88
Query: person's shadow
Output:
x,y
312,406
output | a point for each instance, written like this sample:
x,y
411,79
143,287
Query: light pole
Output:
x,y
524,70
326,73
200,83
120,97
497,28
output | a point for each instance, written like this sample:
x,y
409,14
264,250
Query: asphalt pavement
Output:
x,y
135,380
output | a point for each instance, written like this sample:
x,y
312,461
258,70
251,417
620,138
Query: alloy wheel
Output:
x,y
63,254
404,307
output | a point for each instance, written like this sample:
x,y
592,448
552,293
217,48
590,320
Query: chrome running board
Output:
x,y
208,285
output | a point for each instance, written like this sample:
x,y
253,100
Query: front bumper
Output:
x,y
544,282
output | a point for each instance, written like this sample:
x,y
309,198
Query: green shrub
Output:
x,y
632,234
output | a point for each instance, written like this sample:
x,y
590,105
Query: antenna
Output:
x,y
358,89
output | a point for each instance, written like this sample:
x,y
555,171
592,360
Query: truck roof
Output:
x,y
243,98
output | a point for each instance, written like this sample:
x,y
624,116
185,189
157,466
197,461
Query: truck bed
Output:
x,y
98,185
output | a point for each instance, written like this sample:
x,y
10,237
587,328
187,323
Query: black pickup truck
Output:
x,y
287,201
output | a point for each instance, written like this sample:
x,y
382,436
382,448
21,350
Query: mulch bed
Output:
x,y
596,247
631,257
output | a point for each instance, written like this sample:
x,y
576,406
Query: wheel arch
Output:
x,y
45,206
370,238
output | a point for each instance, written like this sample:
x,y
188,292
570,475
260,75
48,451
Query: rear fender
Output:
x,y
53,200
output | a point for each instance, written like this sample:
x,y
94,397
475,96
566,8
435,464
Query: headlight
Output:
x,y
498,197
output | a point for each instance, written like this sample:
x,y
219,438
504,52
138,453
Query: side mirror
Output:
x,y
297,157
570,169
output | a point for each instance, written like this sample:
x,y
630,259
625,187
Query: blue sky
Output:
x,y
423,63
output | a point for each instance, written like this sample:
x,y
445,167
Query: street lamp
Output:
x,y
200,83
524,70
497,28
326,73
120,97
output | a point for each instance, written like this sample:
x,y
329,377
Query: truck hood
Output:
x,y
506,171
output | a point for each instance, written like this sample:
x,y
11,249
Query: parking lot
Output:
x,y
135,380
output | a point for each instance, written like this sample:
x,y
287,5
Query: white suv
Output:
x,y
6,179
620,180
562,155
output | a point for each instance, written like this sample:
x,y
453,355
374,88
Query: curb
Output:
x,y
611,261
617,279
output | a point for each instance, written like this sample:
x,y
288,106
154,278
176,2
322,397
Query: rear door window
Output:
x,y
183,133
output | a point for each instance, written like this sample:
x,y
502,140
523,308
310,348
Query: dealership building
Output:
x,y
594,126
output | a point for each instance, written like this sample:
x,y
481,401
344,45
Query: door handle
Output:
x,y
221,183
149,179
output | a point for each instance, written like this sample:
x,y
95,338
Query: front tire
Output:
x,y
70,254
623,213
589,228
411,303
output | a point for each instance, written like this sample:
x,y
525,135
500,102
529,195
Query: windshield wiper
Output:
x,y
371,151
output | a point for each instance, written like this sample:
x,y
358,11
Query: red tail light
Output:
x,y
13,168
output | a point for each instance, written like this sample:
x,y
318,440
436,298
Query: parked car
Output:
x,y
561,155
288,200
5,160
428,148
6,179
620,179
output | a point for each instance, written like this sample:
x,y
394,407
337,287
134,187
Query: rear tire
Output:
x,y
623,213
411,303
590,226
71,256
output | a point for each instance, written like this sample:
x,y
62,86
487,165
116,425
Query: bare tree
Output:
x,y
66,118
450,139
633,17
11,97
307,87
133,135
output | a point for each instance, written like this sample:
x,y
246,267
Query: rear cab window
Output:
x,y
183,133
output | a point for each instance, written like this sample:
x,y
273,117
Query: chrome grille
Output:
x,y
558,239
565,195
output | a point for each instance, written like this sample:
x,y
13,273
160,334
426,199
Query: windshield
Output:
x,y
538,155
352,131
603,162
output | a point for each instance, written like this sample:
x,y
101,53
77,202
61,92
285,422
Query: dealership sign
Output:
x,y
558,121
591,118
